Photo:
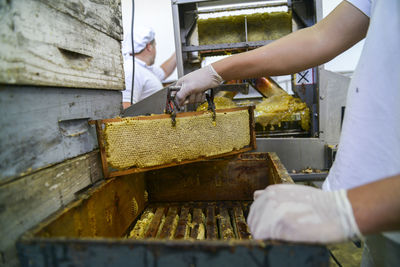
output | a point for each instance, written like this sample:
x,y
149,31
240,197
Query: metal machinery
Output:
x,y
297,153
323,91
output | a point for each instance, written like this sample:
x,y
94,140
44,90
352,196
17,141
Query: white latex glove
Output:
x,y
303,214
195,83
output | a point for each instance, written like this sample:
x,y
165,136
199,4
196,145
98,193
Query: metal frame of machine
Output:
x,y
305,13
325,95
296,153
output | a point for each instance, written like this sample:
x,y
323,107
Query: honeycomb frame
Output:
x,y
247,141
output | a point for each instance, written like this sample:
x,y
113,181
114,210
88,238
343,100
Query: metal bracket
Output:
x,y
171,106
211,104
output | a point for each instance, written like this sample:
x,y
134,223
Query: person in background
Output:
x,y
148,77
361,195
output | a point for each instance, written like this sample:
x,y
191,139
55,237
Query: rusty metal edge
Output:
x,y
29,239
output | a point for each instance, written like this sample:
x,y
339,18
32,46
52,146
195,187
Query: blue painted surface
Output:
x,y
41,126
168,253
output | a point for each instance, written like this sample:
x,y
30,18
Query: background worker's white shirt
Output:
x,y
147,80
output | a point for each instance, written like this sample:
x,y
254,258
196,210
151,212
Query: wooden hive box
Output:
x,y
54,54
208,201
61,43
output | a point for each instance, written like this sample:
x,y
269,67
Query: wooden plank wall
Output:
x,y
59,43
104,15
41,126
53,54
26,201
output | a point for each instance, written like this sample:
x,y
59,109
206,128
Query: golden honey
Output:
x,y
276,109
151,142
231,29
220,103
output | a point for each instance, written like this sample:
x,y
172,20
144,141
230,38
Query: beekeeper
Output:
x,y
361,196
147,76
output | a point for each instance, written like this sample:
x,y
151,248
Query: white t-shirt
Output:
x,y
369,147
147,80
363,5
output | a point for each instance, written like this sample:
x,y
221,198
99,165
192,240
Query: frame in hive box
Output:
x,y
216,193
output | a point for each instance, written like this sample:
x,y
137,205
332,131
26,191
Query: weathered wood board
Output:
x,y
105,15
229,178
43,46
122,201
27,201
40,126
278,174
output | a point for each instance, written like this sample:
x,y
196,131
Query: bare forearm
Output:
x,y
284,56
312,46
169,65
126,105
376,206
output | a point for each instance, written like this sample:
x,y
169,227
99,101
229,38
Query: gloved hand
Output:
x,y
302,213
195,83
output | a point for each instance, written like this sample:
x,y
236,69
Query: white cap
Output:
x,y
142,36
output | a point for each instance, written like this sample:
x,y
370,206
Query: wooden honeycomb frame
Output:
x,y
109,172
